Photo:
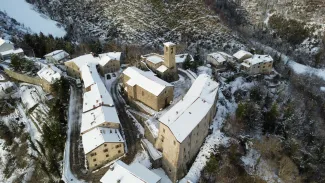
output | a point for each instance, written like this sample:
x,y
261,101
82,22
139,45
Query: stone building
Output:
x,y
163,65
241,55
258,64
182,130
74,66
105,63
108,64
133,173
100,123
219,59
147,88
102,145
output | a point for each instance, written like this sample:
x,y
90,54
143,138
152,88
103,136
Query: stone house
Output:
x,y
57,56
182,129
108,65
258,64
105,63
74,66
147,88
218,59
102,145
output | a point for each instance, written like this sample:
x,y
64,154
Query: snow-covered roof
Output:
x,y
97,96
89,74
226,55
29,97
2,41
57,55
241,54
97,117
50,73
218,57
104,60
162,69
169,44
245,65
9,52
98,136
183,117
134,173
146,80
256,59
182,57
112,55
85,59
153,152
155,58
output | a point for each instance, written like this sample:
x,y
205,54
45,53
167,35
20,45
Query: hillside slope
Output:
x,y
145,22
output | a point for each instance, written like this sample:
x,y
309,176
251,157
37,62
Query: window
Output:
x,y
174,143
94,159
105,150
107,155
95,164
142,93
172,50
93,154
106,144
184,149
164,130
166,49
117,146
197,133
119,151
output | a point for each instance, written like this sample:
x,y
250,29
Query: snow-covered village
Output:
x,y
148,91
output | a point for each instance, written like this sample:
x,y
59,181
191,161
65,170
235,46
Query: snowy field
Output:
x,y
23,13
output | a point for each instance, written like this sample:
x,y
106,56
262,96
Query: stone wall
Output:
x,y
32,80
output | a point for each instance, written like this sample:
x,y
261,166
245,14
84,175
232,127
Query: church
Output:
x,y
163,65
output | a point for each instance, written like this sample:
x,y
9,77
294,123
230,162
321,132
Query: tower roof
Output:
x,y
168,44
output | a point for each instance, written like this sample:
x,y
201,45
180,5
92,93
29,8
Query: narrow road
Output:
x,y
71,151
129,129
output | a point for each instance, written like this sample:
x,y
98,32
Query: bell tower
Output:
x,y
169,55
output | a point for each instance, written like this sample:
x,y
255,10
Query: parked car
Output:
x,y
108,76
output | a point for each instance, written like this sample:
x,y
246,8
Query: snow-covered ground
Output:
x,y
24,13
67,175
142,157
258,166
1,77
